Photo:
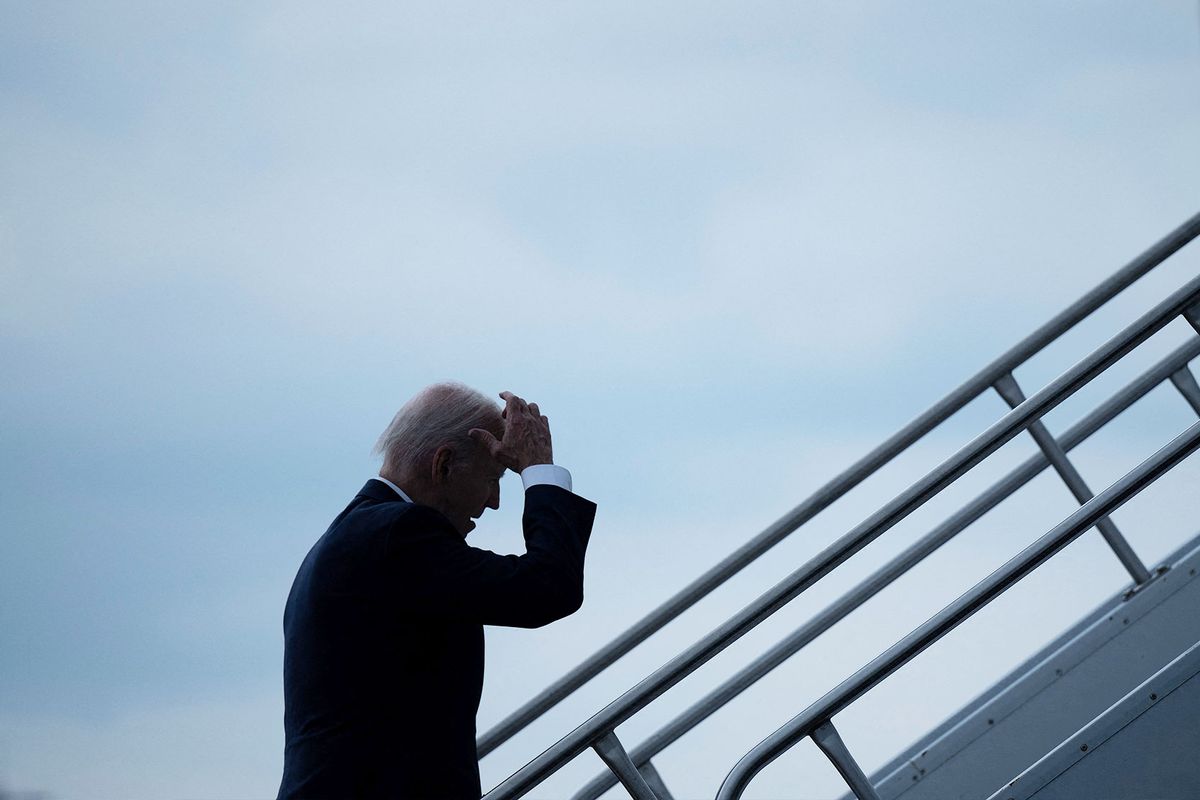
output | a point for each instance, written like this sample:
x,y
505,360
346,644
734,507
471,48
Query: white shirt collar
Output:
x,y
394,487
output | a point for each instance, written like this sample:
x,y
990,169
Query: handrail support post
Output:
x,y
1008,388
1192,315
612,753
1185,382
655,781
826,737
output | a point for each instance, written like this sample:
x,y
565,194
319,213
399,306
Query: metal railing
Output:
x,y
855,474
636,773
816,720
1173,368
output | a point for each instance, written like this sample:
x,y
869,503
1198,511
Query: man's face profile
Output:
x,y
471,485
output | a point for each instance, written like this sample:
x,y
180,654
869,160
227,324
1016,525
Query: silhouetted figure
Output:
x,y
383,628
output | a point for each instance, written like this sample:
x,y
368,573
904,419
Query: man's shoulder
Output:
x,y
371,512
394,516
368,535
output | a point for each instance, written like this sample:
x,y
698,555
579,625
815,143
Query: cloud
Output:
x,y
170,751
729,249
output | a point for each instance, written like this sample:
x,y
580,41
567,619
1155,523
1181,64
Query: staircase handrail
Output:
x,y
599,730
1164,370
819,714
834,489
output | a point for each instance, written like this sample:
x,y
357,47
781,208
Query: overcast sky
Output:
x,y
728,248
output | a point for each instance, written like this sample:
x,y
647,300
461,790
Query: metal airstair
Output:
x,y
1143,746
1110,708
1059,691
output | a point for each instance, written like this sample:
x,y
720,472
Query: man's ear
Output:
x,y
443,461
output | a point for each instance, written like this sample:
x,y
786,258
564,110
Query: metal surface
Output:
x,y
835,554
609,748
1192,315
838,486
884,576
1185,382
1144,746
1008,388
1052,696
905,765
826,737
656,781
965,606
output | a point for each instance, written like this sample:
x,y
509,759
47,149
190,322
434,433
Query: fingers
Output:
x,y
485,438
526,438
514,403
518,406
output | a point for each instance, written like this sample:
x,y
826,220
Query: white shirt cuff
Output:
x,y
552,474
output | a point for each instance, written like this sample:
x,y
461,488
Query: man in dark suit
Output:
x,y
383,628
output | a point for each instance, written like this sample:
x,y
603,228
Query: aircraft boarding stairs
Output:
x,y
1079,692
1109,710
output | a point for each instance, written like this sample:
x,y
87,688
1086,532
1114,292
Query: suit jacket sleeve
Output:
x,y
433,573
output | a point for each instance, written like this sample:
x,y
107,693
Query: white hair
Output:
x,y
440,414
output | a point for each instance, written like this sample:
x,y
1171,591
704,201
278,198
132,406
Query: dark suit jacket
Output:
x,y
383,641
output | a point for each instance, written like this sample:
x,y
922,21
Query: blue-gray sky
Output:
x,y
728,247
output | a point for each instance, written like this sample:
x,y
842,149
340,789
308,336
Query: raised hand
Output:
x,y
526,435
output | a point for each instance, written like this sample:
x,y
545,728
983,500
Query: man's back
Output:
x,y
383,660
